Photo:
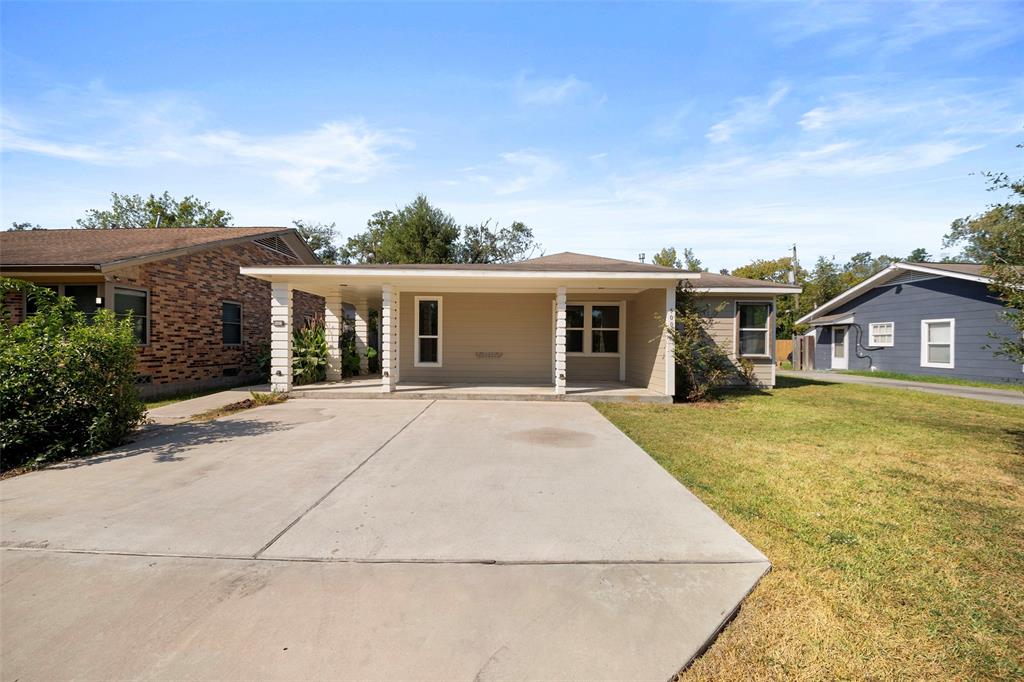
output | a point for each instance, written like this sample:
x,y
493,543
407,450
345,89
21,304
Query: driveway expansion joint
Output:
x,y
337,485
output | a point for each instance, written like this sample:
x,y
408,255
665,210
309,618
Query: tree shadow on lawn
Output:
x,y
168,443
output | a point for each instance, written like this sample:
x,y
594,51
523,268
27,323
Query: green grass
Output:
x,y
894,521
932,379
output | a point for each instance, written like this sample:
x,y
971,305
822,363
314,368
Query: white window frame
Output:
x,y
871,335
438,336
588,328
768,345
952,344
149,316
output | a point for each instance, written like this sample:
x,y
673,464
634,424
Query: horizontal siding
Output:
x,y
518,326
645,342
592,368
721,315
971,304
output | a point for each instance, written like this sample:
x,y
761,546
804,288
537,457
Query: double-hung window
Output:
x,y
754,329
938,339
592,328
85,296
133,304
428,331
231,323
881,334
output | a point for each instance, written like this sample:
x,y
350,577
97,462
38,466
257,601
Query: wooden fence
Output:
x,y
783,347
802,348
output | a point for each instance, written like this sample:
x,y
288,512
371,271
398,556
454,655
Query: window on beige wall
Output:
x,y
593,328
428,331
754,329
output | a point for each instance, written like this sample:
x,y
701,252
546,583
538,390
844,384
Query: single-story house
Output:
x,y
555,321
198,322
916,318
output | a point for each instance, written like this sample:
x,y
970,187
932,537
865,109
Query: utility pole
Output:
x,y
642,256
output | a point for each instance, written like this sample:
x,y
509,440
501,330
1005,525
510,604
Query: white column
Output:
x,y
334,320
280,337
362,332
396,336
560,341
388,319
670,356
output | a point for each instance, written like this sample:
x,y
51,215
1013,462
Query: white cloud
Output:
x,y
751,113
149,130
550,92
532,169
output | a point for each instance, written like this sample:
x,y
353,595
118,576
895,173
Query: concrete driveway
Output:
x,y
366,540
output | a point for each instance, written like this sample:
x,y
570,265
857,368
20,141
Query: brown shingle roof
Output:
x,y
962,268
558,262
100,247
712,280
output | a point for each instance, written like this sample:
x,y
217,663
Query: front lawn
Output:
x,y
928,379
894,521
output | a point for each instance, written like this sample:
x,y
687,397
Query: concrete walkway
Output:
x,y
184,410
994,395
437,540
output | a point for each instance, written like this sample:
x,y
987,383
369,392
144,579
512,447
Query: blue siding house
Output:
x,y
916,318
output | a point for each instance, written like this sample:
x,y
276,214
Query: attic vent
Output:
x,y
278,245
909,276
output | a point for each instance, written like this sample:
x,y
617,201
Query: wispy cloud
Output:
x,y
750,113
516,172
149,130
548,92
889,29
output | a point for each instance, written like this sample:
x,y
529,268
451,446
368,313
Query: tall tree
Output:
x,y
320,237
996,239
422,233
667,258
691,262
918,255
135,211
481,244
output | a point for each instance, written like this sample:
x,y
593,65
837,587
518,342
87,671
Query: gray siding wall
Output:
x,y
971,304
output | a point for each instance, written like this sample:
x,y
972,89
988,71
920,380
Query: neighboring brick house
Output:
x,y
199,323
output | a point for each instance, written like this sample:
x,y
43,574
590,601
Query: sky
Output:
x,y
733,129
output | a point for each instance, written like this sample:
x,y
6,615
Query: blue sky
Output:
x,y
734,129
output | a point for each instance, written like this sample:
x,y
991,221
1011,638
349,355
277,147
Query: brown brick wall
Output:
x,y
185,348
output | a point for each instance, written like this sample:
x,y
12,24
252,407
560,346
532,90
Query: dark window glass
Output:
x,y
30,302
574,316
84,296
131,303
754,316
604,317
428,319
574,341
231,323
428,350
604,341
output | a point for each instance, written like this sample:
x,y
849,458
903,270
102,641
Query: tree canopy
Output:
x,y
669,258
422,233
136,211
320,237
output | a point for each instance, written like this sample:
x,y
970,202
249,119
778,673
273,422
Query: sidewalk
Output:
x,y
184,410
993,395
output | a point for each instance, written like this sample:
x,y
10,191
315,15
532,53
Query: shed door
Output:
x,y
839,354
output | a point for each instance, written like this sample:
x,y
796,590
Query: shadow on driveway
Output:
x,y
169,443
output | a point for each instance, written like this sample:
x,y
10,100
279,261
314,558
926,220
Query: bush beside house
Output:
x,y
67,383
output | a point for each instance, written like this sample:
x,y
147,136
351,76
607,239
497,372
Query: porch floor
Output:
x,y
369,387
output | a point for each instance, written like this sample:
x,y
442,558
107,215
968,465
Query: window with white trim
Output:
x,y
938,341
428,331
881,334
754,329
593,328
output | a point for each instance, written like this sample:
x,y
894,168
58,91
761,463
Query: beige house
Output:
x,y
562,325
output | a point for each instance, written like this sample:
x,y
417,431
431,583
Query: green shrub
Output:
x,y
67,382
702,366
309,352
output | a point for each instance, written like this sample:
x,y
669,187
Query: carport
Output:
x,y
550,323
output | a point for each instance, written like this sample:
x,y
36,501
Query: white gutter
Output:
x,y
385,273
748,290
